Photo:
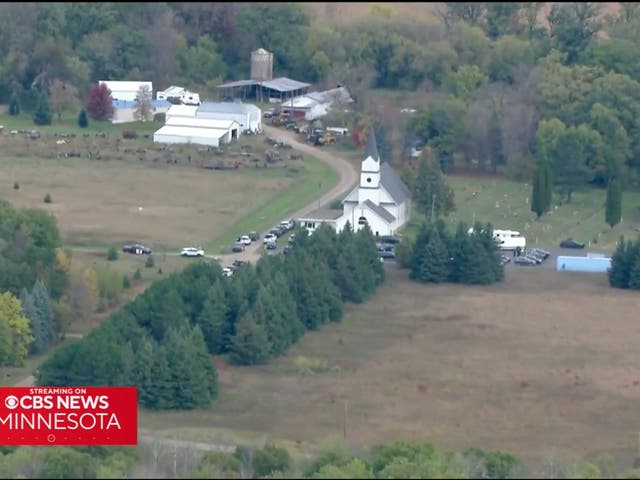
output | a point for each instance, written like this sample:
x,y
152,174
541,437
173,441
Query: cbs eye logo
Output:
x,y
11,402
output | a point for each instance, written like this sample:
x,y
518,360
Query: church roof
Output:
x,y
392,183
372,146
381,211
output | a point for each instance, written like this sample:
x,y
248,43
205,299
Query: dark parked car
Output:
x,y
137,249
504,259
526,261
571,243
271,246
239,263
389,239
544,253
254,236
238,247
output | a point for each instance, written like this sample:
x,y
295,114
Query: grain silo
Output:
x,y
261,65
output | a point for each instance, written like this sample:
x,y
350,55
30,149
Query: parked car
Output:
x,y
571,243
291,239
504,259
238,264
538,257
387,254
227,271
254,236
389,239
238,247
544,253
269,238
244,239
270,113
288,224
271,246
287,249
525,261
192,252
136,249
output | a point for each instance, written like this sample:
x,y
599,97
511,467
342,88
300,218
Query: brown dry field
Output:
x,y
542,365
98,202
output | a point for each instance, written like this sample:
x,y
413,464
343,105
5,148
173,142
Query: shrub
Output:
x,y
112,254
47,198
42,115
150,263
16,186
137,275
126,283
269,460
83,121
129,134
160,117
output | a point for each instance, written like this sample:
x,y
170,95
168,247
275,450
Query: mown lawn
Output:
x,y
506,204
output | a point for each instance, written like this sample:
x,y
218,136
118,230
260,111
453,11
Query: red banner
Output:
x,y
68,416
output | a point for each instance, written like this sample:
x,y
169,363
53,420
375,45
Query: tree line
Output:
x,y
67,462
162,341
41,291
469,256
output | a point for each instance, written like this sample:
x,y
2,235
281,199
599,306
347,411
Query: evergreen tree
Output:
x,y
431,193
418,258
307,300
204,363
189,380
214,321
44,331
479,258
144,376
42,115
435,264
250,345
83,121
613,205
286,308
494,138
162,381
537,195
621,262
634,273
14,106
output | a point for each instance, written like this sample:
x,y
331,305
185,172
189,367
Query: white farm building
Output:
x,y
125,91
381,200
182,126
248,116
185,96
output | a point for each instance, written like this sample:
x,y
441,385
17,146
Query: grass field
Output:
x,y
543,365
506,205
130,195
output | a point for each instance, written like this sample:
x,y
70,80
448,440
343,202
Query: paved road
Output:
x,y
348,178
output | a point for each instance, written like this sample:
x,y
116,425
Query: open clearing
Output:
x,y
114,202
544,364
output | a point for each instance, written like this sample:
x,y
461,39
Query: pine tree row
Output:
x,y
162,341
436,256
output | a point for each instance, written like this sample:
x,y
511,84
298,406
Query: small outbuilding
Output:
x,y
125,91
248,116
592,263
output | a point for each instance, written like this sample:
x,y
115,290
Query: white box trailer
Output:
x,y
508,240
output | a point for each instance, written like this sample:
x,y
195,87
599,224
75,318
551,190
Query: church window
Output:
x,y
362,221
368,179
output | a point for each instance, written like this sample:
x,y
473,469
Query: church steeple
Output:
x,y
372,146
370,170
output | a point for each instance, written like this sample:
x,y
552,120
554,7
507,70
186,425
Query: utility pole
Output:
x,y
344,422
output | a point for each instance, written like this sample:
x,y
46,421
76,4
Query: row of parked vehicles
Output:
x,y
387,247
532,257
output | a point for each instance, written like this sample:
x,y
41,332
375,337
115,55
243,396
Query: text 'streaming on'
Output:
x,y
68,416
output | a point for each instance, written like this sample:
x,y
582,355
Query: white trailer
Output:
x,y
508,239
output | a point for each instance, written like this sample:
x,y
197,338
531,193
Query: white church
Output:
x,y
381,200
